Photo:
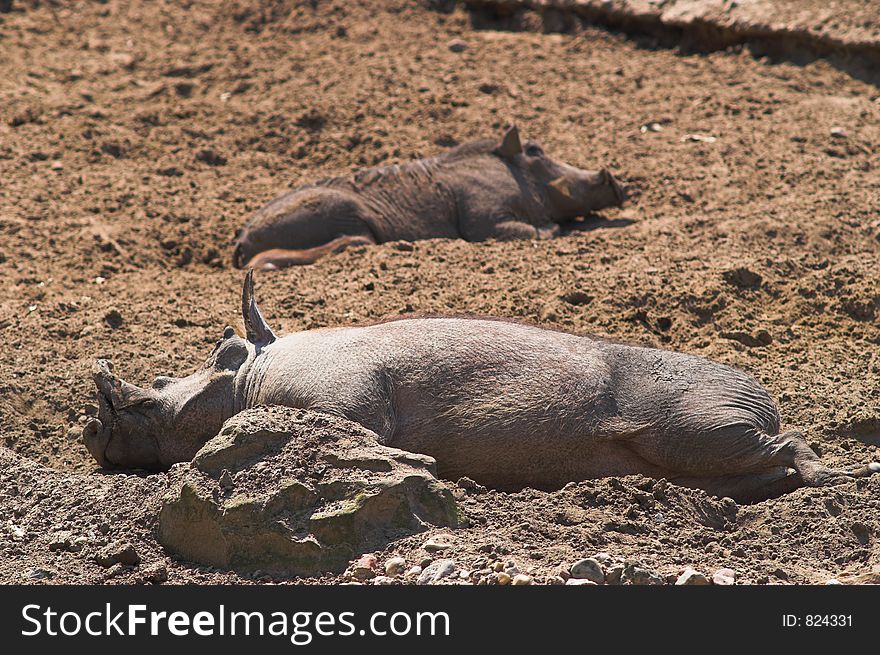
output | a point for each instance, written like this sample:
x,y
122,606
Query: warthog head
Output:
x,y
570,191
153,428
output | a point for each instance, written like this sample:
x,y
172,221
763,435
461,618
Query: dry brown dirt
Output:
x,y
136,137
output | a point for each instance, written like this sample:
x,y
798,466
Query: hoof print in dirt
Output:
x,y
292,492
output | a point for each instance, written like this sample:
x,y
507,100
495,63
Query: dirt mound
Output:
x,y
136,137
69,528
290,492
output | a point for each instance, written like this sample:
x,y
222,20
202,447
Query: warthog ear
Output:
x,y
510,144
257,330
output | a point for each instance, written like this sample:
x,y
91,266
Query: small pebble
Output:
x,y
442,568
438,543
588,569
839,133
226,480
699,138
502,578
613,575
521,579
724,577
635,574
457,45
692,577
365,567
395,566
577,582
118,553
155,573
603,558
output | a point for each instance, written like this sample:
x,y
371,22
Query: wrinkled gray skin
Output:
x,y
507,404
489,189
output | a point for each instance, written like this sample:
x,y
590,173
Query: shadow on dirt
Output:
x,y
860,60
595,222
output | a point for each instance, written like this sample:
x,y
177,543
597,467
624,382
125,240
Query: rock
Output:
x,y
575,582
692,577
471,486
603,558
211,158
384,580
61,541
113,318
862,532
118,553
442,568
557,580
114,570
365,567
414,571
614,574
651,127
635,574
521,579
438,543
838,133
155,573
395,566
350,495
226,481
699,138
39,574
724,577
503,578
588,569
457,45
833,581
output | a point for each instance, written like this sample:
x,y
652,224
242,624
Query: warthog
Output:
x,y
489,189
507,404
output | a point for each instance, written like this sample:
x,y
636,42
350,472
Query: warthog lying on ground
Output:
x,y
507,404
487,189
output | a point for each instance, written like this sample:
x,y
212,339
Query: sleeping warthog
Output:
x,y
507,404
487,189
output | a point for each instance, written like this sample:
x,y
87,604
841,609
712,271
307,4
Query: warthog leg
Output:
x,y
795,452
281,258
743,463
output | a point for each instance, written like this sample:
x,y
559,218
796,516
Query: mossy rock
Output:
x,y
296,493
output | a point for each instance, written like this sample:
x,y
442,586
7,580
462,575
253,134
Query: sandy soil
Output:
x,y
135,138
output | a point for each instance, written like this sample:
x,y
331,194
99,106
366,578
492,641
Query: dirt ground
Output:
x,y
136,137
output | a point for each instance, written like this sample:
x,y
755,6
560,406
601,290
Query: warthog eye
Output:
x,y
533,150
146,403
